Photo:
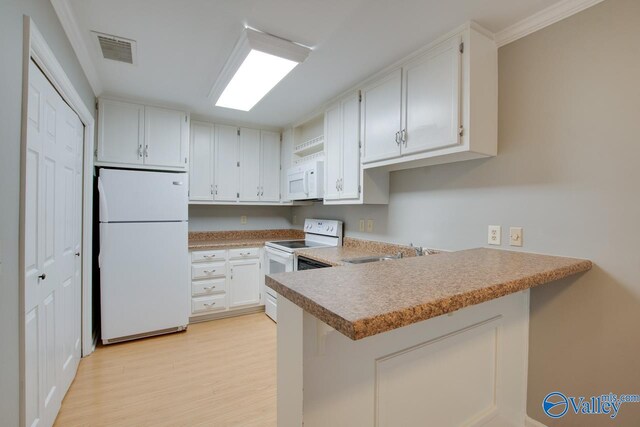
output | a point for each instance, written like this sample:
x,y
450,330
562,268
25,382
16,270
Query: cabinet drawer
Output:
x,y
208,287
244,253
209,304
208,270
208,256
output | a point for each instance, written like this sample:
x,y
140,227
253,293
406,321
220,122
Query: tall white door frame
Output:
x,y
35,48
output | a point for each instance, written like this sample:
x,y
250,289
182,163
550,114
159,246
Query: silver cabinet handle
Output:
x,y
258,191
337,185
210,305
404,136
139,151
232,274
208,256
146,150
209,271
341,184
216,189
209,288
262,191
212,189
398,137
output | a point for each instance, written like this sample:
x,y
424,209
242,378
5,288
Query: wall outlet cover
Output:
x,y
369,225
243,219
494,237
361,228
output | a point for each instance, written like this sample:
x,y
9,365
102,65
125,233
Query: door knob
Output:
x,y
77,253
42,276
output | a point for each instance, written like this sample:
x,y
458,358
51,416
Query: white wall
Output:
x,y
11,15
568,172
224,218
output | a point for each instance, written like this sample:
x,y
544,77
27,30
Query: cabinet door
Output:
x,y
432,99
201,167
332,152
350,121
244,282
381,118
120,132
226,164
286,153
270,166
249,165
165,137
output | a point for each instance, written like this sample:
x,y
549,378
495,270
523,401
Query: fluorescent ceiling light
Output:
x,y
258,62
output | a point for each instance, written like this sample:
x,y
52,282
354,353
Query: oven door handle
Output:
x,y
278,255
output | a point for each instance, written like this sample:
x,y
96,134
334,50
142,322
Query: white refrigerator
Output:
x,y
144,265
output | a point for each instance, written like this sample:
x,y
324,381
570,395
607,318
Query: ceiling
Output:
x,y
183,45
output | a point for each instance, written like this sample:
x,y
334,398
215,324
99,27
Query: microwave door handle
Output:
x,y
306,182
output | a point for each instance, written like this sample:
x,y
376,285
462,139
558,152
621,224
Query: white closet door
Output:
x,y
432,99
350,148
52,240
381,118
226,168
270,166
249,165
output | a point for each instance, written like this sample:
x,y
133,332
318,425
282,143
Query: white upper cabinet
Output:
x,y
135,135
120,132
249,165
381,118
270,166
438,107
431,107
201,170
227,178
345,180
165,137
286,154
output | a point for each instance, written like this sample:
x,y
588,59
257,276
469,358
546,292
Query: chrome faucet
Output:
x,y
419,249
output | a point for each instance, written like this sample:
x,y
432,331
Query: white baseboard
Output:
x,y
530,422
225,314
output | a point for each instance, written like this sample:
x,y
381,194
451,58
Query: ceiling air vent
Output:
x,y
116,48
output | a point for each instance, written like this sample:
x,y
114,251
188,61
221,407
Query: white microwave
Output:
x,y
306,181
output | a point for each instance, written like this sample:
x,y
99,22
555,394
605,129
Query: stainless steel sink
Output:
x,y
367,259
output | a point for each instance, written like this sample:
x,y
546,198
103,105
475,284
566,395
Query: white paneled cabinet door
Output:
x,y
52,249
226,183
350,129
333,151
249,165
381,118
201,170
431,85
120,132
165,137
244,282
285,161
270,166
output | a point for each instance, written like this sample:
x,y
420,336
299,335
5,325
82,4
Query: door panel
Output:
x,y
53,205
332,152
201,167
244,283
350,148
249,164
432,99
120,132
226,169
164,137
270,166
381,118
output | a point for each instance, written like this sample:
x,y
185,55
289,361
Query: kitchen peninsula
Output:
x,y
434,340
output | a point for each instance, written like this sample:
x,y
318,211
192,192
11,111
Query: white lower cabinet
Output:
x,y
225,280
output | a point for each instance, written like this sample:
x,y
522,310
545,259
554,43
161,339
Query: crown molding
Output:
x,y
542,19
69,23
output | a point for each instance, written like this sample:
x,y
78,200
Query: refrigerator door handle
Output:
x,y
104,210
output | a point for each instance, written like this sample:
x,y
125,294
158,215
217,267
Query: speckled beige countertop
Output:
x,y
203,240
368,299
354,248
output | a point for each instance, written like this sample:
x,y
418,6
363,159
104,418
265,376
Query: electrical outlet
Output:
x,y
494,235
369,225
243,219
515,236
362,225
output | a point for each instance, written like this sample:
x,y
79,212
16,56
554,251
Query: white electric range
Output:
x,y
280,256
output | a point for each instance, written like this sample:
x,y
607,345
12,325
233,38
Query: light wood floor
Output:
x,y
220,373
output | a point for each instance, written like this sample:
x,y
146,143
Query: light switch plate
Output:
x,y
361,228
494,237
243,219
515,236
